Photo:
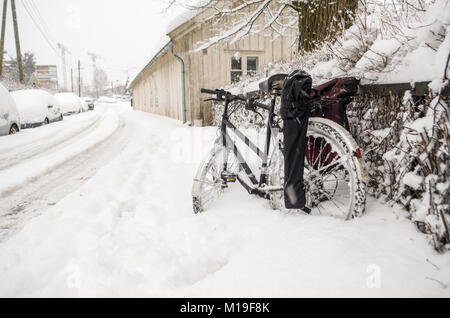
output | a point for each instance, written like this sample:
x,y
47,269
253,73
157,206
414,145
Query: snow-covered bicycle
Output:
x,y
334,170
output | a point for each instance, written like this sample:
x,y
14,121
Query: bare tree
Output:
x,y
314,20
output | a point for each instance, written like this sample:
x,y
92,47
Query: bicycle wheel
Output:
x,y
334,174
209,183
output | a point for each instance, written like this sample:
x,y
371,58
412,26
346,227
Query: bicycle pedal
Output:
x,y
306,210
229,178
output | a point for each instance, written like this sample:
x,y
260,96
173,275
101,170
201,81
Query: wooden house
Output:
x,y
158,87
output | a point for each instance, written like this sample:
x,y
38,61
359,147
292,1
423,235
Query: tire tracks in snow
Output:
x,y
41,146
30,200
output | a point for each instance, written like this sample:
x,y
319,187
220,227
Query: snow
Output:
x,y
412,180
22,173
33,105
106,100
392,43
157,46
129,230
84,105
8,107
189,10
70,103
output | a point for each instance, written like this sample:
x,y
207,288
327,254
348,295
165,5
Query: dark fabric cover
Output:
x,y
338,92
297,92
295,114
336,95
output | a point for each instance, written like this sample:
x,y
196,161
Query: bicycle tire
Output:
x,y
350,155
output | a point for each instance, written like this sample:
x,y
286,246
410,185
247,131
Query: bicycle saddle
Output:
x,y
274,84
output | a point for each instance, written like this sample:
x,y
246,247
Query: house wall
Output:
x,y
158,90
209,68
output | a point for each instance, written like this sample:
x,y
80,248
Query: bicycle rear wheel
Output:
x,y
334,174
209,183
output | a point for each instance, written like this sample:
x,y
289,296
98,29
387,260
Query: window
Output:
x,y
252,65
247,65
236,69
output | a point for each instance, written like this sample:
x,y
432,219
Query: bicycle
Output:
x,y
334,176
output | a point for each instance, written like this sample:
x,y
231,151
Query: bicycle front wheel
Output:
x,y
334,174
209,182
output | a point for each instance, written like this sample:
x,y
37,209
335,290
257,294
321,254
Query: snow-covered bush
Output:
x,y
407,165
406,140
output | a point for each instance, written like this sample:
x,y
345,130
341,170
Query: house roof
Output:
x,y
160,49
182,18
164,45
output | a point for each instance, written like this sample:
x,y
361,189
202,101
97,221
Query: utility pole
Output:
x,y
64,50
2,39
71,77
16,35
79,78
94,57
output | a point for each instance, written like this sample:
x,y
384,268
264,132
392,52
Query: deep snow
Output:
x,y
129,230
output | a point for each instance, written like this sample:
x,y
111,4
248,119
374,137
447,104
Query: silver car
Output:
x,y
9,114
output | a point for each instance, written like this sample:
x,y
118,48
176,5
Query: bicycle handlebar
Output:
x,y
208,91
222,95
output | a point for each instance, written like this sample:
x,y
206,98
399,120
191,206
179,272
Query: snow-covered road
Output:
x,y
100,205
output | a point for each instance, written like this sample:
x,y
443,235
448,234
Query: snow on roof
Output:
x,y
190,9
159,47
182,18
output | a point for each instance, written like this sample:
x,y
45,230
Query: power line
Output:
x,y
39,25
25,5
41,20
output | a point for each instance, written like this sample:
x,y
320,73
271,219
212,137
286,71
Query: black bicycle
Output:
x,y
334,174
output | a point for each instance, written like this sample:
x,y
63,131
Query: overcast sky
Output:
x,y
123,33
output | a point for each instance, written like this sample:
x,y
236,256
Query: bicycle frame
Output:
x,y
256,185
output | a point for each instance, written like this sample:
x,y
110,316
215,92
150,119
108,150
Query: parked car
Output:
x,y
70,103
9,114
36,107
106,100
90,103
84,105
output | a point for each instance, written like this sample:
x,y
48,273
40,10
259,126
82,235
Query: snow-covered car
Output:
x,y
36,107
107,100
9,114
70,103
84,105
90,102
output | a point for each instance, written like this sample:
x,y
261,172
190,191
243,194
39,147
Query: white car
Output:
x,y
84,105
9,114
106,100
36,107
90,102
70,103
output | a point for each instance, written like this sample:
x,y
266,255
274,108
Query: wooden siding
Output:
x,y
210,68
